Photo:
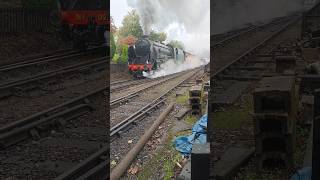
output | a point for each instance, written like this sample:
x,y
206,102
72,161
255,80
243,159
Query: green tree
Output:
x,y
177,44
112,45
113,30
160,37
131,25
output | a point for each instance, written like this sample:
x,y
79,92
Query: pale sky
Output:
x,y
118,9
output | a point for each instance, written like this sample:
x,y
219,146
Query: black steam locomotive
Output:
x,y
146,55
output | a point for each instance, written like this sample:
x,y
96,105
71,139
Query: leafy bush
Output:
x,y
124,54
115,58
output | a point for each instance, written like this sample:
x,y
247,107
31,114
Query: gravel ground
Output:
x,y
120,113
61,150
16,46
35,101
121,146
21,73
120,76
136,87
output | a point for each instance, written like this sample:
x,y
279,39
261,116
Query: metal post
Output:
x,y
316,137
200,161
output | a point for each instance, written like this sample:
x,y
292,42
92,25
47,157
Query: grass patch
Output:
x,y
232,118
190,119
184,133
249,173
165,158
183,100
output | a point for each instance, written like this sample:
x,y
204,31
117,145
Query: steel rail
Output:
x,y
237,35
136,93
19,130
251,50
125,124
6,89
51,58
93,167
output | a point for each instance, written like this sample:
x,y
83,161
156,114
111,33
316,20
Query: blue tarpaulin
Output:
x,y
183,144
302,174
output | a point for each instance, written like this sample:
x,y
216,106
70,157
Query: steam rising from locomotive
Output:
x,y
170,67
147,55
188,22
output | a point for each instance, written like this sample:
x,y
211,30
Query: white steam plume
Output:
x,y
184,20
170,67
233,14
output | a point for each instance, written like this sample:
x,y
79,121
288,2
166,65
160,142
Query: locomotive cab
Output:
x,y
84,22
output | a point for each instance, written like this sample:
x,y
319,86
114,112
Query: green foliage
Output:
x,y
121,54
177,44
131,25
160,37
124,54
115,58
112,45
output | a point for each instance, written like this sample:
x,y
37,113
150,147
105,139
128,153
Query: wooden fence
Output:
x,y
14,20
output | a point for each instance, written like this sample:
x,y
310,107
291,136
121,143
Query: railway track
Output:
x,y
64,126
142,97
139,87
237,76
61,132
31,67
142,112
8,89
130,120
41,55
244,42
120,85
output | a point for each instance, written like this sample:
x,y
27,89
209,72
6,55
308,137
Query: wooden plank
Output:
x,y
182,112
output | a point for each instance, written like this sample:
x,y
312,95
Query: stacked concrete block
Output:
x,y
195,95
285,63
206,86
275,110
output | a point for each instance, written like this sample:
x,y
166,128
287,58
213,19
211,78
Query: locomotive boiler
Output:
x,y
146,55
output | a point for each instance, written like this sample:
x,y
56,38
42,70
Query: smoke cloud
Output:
x,y
233,14
186,21
170,67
